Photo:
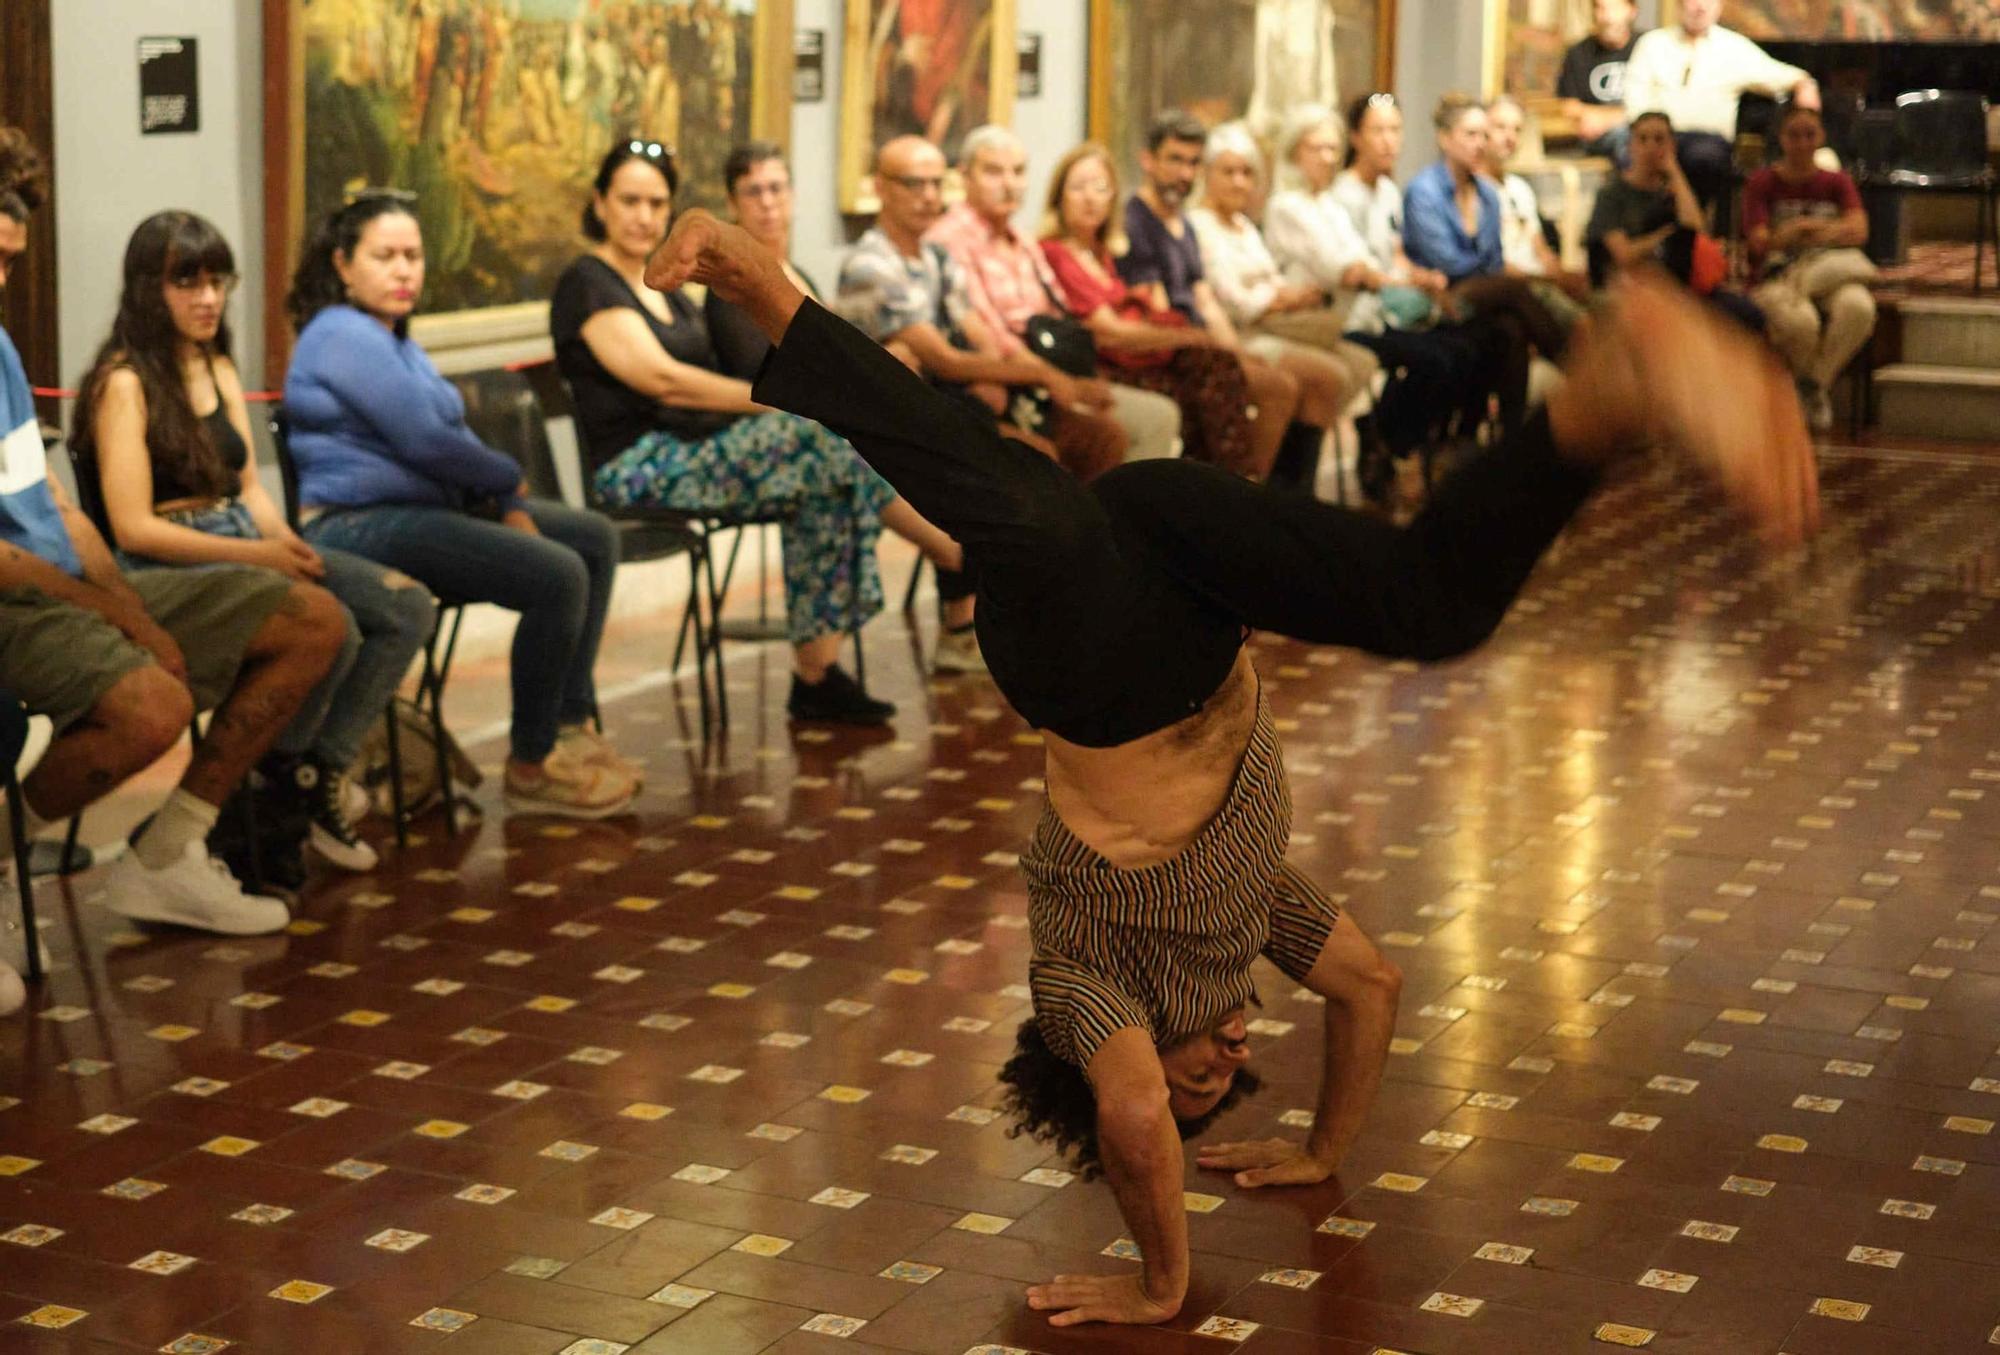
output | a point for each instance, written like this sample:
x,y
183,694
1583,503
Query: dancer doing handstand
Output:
x,y
1113,618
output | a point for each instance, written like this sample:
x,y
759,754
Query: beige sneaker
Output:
x,y
958,652
582,744
569,788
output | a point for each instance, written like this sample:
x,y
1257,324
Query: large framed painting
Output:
x,y
1525,42
1866,20
494,114
1225,59
938,68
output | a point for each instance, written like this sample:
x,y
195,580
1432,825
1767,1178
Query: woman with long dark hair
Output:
x,y
664,425
388,470
163,418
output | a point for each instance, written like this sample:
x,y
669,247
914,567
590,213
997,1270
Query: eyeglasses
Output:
x,y
652,150
397,195
1381,101
201,282
917,183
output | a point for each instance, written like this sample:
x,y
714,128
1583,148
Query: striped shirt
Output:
x,y
1168,947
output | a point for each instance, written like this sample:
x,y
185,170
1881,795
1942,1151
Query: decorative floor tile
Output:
x,y
162,1263
910,1272
1227,1329
762,1244
397,1240
54,1317
301,1291
1452,1305
443,1319
1618,1334
833,1324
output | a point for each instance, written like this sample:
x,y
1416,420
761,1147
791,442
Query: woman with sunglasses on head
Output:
x,y
162,416
664,425
388,470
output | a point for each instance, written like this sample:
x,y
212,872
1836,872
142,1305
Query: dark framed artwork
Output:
x,y
1227,59
494,114
938,68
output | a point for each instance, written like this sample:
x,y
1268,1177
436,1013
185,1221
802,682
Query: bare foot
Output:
x,y
1662,369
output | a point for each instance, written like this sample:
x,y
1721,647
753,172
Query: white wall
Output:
x,y
111,178
1438,48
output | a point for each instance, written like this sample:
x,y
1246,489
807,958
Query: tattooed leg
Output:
x,y
285,659
131,726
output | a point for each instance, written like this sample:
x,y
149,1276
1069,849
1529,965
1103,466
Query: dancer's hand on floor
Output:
x,y
1100,1298
1265,1162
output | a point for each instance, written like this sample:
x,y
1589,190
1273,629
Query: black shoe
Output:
x,y
274,861
316,790
836,699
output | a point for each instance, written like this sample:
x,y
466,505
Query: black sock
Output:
x,y
1297,463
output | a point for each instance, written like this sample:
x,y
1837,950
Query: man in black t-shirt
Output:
x,y
1592,84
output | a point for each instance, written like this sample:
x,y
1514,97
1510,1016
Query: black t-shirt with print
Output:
x,y
1595,73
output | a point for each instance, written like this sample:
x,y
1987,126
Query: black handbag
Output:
x,y
1062,342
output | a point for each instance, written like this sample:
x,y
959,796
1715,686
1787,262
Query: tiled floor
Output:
x,y
1692,873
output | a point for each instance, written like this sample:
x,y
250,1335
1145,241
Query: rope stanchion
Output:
x,y
249,397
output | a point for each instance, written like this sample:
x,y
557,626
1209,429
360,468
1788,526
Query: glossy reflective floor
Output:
x,y
1692,872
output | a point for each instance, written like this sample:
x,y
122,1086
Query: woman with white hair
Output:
x,y
1290,324
1388,305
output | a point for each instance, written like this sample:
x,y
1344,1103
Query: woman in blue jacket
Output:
x,y
389,470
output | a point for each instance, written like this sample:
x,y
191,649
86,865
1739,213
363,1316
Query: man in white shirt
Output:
x,y
1695,72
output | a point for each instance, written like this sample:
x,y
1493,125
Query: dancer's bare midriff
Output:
x,y
1141,802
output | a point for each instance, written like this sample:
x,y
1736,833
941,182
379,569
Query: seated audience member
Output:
x,y
1592,82
1694,71
1805,226
1648,215
759,185
908,293
1144,341
1523,243
665,428
181,488
1343,232
1009,283
389,471
1451,223
1163,258
1291,325
119,663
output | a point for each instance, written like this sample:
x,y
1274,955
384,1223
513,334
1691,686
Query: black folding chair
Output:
x,y
1940,147
702,526
438,649
13,738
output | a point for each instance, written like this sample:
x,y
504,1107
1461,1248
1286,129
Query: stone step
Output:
x,y
1951,332
1937,401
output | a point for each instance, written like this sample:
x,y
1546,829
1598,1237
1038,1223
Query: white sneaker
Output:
x,y
196,891
13,992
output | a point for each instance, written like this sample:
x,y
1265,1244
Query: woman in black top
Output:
x,y
662,425
180,488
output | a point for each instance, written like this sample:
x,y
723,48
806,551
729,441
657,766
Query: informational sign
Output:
x,y
1028,68
169,93
809,65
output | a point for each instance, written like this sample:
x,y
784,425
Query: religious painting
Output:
x,y
1528,51
935,68
494,114
1865,20
1227,59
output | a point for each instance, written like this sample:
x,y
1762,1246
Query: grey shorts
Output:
x,y
61,659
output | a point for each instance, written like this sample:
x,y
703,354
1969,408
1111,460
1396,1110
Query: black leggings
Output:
x,y
1111,611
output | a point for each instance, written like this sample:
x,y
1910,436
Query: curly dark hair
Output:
x,y
166,247
316,281
1051,1101
23,175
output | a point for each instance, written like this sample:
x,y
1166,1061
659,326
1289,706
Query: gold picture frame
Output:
x,y
1122,78
527,147
944,99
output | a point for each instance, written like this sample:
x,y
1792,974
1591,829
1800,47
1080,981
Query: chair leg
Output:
x,y
910,593
691,618
69,864
854,575
17,819
715,638
398,810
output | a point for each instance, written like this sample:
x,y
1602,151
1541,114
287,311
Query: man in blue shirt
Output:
x,y
120,662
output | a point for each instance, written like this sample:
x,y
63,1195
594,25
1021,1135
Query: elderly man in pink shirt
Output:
x,y
1008,281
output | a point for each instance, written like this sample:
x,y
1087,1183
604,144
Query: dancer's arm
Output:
x,y
1362,990
1141,1151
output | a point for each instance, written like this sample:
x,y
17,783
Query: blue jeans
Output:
x,y
389,618
559,582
